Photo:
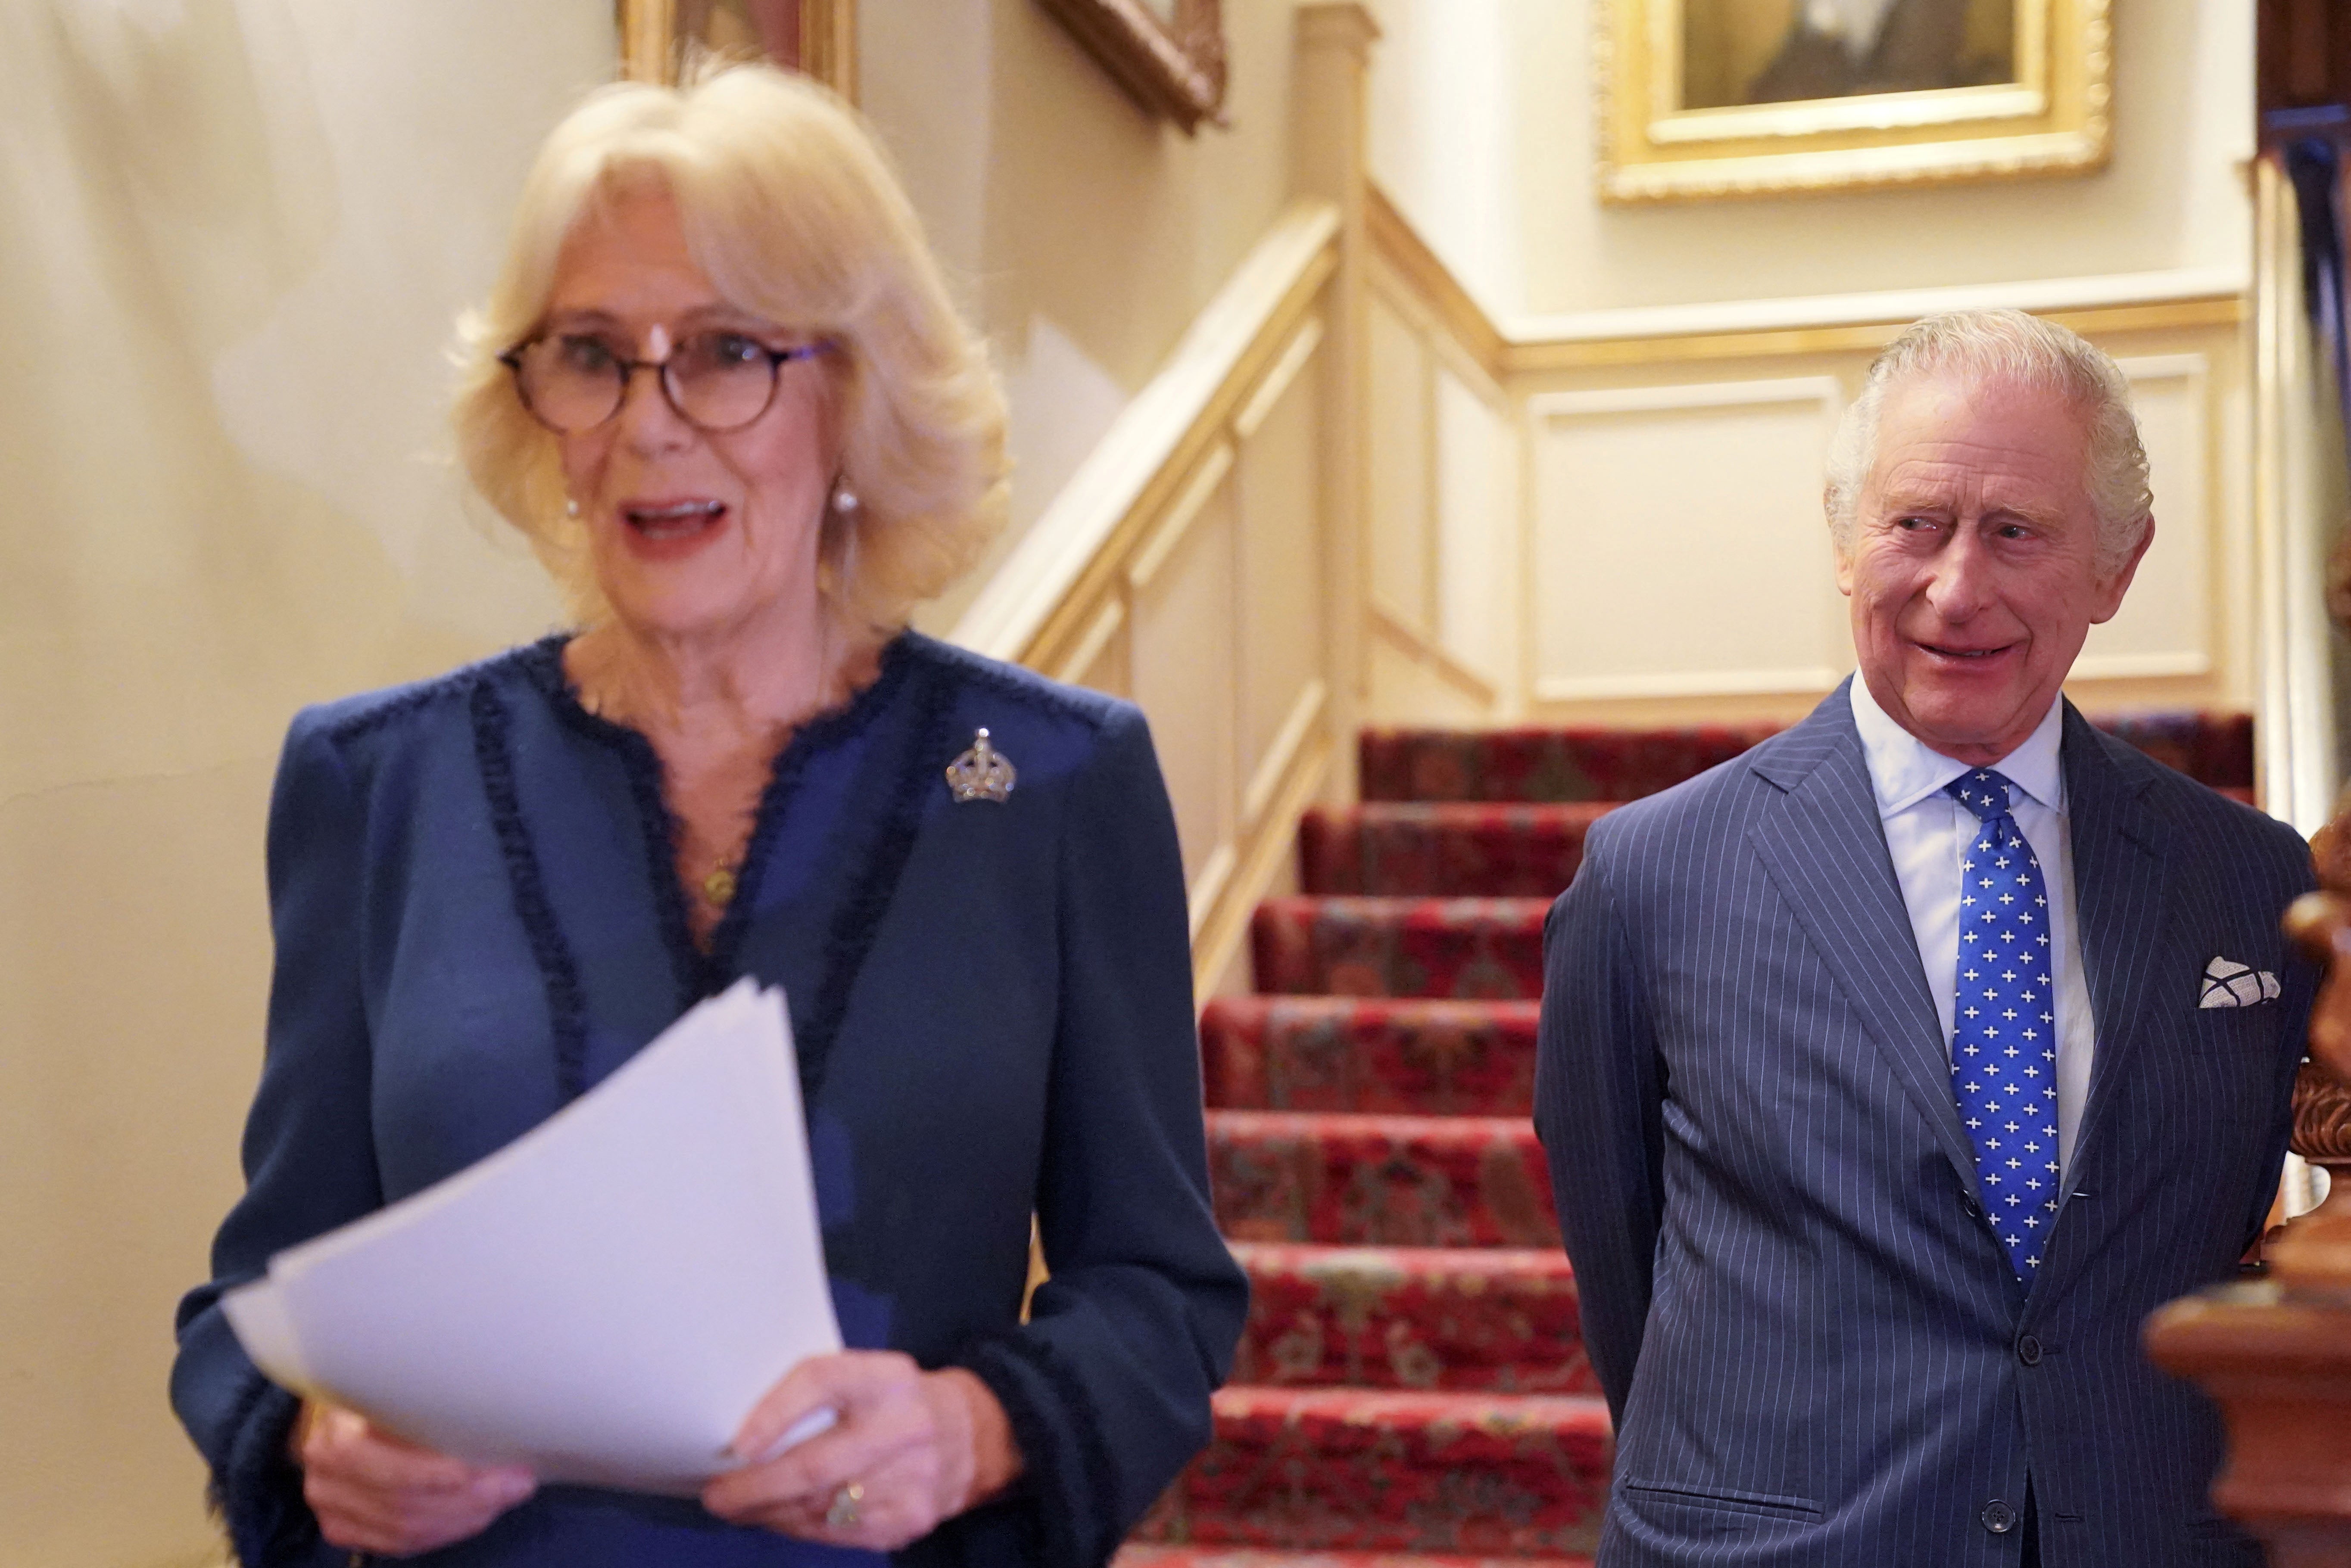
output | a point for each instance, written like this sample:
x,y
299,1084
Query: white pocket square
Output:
x,y
2228,984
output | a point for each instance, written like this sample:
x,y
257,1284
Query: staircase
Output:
x,y
1411,1390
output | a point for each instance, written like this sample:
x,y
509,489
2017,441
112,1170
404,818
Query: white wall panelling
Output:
x,y
1445,535
1475,532
1279,618
1183,672
1403,542
2169,624
1677,545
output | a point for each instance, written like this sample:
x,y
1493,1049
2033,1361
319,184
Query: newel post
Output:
x,y
2275,1354
1331,65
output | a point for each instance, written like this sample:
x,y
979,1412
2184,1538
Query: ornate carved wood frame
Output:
x,y
821,38
2053,118
1167,55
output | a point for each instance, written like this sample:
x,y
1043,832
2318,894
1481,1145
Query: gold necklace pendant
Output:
x,y
718,887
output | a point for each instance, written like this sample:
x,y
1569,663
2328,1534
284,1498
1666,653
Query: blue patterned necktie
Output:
x,y
2004,1035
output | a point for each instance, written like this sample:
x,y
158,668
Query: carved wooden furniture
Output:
x,y
2275,1354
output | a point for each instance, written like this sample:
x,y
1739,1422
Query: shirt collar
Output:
x,y
1904,771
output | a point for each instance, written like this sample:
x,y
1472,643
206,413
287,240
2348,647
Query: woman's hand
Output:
x,y
908,1449
378,1493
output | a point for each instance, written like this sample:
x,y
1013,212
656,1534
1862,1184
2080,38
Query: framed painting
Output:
x,y
1168,56
816,37
1735,98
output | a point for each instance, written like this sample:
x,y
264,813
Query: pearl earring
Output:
x,y
571,507
844,500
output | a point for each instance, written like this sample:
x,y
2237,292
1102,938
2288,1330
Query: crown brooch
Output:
x,y
982,773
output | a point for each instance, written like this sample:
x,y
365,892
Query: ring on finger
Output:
x,y
842,1511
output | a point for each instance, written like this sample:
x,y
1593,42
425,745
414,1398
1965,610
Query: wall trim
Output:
x,y
1427,279
1527,358
1176,521
1825,391
1208,887
1082,654
2195,366
1506,347
2043,296
1424,648
1220,922
1303,720
2140,666
1275,383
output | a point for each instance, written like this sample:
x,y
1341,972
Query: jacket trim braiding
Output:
x,y
1013,1364
566,1008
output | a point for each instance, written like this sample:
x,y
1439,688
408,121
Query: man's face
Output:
x,y
1972,567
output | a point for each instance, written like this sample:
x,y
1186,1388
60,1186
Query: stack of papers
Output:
x,y
604,1299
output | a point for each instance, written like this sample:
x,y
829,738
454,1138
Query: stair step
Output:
x,y
1343,1470
2215,748
1380,1181
1541,765
1141,1555
1392,1055
1445,849
1599,765
1486,949
1467,1319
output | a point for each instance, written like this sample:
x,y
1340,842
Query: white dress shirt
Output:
x,y
1926,831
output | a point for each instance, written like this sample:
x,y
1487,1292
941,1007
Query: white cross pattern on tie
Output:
x,y
2003,1045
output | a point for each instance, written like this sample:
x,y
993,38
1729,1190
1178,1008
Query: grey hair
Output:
x,y
2022,350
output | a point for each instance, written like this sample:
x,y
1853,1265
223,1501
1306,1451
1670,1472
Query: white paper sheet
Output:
x,y
604,1299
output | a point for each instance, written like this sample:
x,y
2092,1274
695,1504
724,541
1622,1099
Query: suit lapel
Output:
x,y
1825,850
2117,849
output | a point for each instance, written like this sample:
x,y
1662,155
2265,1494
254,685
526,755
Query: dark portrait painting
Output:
x,y
752,28
815,36
1779,51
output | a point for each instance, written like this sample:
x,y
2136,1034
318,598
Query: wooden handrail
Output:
x,y
2275,1354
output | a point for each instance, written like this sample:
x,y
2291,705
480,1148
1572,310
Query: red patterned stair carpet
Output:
x,y
1411,1390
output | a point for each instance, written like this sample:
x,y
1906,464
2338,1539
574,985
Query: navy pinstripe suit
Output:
x,y
1814,1348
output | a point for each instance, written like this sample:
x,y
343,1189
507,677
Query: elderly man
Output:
x,y
1892,1072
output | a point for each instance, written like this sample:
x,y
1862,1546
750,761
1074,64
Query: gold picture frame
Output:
x,y
1703,98
1168,56
816,37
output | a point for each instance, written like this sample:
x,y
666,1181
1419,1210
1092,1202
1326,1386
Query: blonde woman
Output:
x,y
720,388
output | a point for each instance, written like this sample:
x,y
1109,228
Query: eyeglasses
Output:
x,y
717,381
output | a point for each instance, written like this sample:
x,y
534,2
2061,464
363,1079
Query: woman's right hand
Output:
x,y
378,1493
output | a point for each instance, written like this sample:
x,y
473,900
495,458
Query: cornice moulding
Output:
x,y
2039,295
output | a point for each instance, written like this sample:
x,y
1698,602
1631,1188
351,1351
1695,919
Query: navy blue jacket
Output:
x,y
1815,1349
477,918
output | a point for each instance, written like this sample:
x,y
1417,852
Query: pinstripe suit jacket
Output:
x,y
1812,1346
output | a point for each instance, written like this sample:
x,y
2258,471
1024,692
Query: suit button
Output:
x,y
1999,1518
2028,1350
1975,1210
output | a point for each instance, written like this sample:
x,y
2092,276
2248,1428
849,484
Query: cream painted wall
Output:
x,y
1445,116
1527,234
1085,234
236,234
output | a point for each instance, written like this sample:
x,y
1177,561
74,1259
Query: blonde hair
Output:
x,y
2024,351
791,209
